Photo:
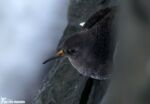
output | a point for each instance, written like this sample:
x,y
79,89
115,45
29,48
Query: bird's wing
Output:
x,y
105,39
96,17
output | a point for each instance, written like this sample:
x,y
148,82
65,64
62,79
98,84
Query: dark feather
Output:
x,y
100,24
96,17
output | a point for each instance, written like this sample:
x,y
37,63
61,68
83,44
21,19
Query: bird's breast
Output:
x,y
90,69
78,65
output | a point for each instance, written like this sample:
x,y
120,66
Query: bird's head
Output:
x,y
74,46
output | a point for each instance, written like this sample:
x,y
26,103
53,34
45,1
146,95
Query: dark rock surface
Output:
x,y
63,84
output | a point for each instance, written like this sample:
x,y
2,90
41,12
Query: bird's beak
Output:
x,y
59,54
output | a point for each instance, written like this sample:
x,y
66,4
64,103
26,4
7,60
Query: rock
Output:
x,y
63,84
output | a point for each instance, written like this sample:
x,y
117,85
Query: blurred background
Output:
x,y
29,34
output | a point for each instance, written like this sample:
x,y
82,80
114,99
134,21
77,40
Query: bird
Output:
x,y
90,51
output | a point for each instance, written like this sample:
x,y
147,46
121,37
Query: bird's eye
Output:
x,y
71,51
